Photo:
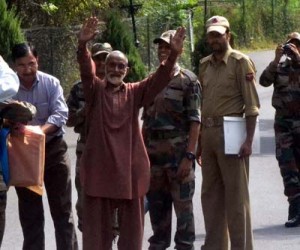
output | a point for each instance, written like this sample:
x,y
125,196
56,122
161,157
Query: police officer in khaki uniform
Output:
x,y
228,89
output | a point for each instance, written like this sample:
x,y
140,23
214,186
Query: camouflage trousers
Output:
x,y
166,190
287,134
2,214
78,206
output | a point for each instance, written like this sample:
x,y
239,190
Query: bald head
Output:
x,y
116,54
116,66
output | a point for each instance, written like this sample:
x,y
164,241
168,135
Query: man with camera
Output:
x,y
285,76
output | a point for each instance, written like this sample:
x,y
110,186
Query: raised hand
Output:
x,y
176,42
294,52
88,30
278,53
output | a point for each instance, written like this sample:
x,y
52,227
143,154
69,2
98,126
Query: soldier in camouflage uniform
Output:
x,y
76,119
170,129
285,77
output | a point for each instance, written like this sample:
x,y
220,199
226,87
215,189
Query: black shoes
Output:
x,y
294,222
292,210
294,214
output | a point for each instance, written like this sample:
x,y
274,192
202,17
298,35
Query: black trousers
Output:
x,y
2,213
58,187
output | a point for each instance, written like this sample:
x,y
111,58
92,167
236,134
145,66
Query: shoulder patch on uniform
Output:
x,y
250,76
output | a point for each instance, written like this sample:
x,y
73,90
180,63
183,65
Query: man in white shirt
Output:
x,y
9,81
9,85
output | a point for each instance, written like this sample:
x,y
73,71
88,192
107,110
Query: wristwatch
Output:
x,y
190,156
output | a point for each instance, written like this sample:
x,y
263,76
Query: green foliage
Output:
x,y
253,22
166,14
155,17
50,8
10,31
60,12
119,36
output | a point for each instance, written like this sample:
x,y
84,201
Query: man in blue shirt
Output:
x,y
45,92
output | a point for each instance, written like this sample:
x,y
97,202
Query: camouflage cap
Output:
x,y
17,111
293,36
165,36
99,48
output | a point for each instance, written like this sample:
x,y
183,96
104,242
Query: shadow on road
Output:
x,y
278,232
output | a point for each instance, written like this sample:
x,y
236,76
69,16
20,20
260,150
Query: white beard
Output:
x,y
115,80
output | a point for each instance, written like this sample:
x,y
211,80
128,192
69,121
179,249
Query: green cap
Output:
x,y
99,48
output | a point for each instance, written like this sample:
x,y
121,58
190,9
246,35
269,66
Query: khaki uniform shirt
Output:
x,y
228,87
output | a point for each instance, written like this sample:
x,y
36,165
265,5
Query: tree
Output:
x,y
60,12
118,34
253,22
10,31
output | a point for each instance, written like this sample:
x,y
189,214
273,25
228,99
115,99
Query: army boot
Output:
x,y
295,220
292,210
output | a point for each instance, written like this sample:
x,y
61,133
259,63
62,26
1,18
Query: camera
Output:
x,y
287,48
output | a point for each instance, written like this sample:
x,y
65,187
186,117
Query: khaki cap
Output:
x,y
293,36
217,23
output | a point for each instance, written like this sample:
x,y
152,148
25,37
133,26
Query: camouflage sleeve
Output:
x,y
269,75
192,96
192,101
76,106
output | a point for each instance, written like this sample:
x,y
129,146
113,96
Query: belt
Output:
x,y
209,122
164,134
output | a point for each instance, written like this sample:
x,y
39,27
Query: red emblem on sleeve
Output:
x,y
249,76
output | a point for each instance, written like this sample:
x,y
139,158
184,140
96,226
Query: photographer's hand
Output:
x,y
278,53
295,52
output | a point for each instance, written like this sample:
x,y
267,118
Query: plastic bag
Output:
x,y
26,154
